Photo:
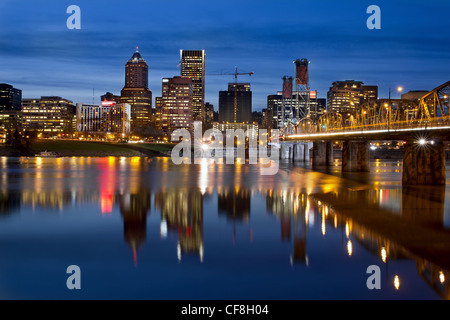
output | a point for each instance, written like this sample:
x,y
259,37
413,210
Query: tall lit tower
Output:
x,y
302,83
193,67
136,92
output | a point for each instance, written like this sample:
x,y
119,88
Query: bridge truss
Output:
x,y
386,114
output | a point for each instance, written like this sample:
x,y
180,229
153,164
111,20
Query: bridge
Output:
x,y
423,125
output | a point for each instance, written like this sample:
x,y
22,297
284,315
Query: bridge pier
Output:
x,y
299,152
322,154
424,164
355,156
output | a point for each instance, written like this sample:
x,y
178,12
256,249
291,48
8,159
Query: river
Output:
x,y
142,228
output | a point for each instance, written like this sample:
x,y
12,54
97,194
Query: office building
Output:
x,y
346,96
48,114
10,106
235,105
193,67
175,105
105,118
136,92
286,110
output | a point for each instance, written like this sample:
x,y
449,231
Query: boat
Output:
x,y
47,154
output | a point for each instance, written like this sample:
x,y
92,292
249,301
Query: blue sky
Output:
x,y
39,55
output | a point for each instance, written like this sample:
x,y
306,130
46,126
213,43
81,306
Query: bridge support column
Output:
x,y
298,152
355,156
330,153
283,152
424,164
363,157
291,152
307,147
319,154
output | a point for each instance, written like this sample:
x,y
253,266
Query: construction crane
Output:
x,y
235,74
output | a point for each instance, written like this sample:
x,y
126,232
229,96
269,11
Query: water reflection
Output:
x,y
389,224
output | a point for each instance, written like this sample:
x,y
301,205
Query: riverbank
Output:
x,y
75,148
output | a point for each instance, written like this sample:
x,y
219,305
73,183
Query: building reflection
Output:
x,y
9,202
182,212
291,210
234,203
134,209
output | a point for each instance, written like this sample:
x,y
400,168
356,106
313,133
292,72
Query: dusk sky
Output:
x,y
39,55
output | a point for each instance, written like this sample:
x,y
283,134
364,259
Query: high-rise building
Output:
x,y
235,105
193,67
106,118
48,114
136,92
284,110
10,106
176,104
346,96
209,114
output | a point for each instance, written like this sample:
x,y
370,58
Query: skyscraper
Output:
x,y
193,67
240,94
176,104
136,92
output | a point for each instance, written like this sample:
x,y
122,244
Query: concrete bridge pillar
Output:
x,y
283,152
323,154
307,147
355,156
424,164
363,157
298,154
330,153
319,154
291,152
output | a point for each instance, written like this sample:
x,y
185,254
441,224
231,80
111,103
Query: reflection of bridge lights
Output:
x,y
383,254
396,282
347,230
441,277
349,248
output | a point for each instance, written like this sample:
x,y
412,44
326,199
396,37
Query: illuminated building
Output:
x,y
10,106
48,114
176,104
238,94
347,96
136,92
193,67
294,107
106,118
209,114
251,128
158,112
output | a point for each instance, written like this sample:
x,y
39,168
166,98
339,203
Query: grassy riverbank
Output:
x,y
75,148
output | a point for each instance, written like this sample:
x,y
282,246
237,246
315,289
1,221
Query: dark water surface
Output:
x,y
147,229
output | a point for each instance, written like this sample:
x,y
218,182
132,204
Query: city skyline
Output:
x,y
262,37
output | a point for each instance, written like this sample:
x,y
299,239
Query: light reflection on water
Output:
x,y
145,228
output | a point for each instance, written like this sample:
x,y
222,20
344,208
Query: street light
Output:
x,y
399,89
